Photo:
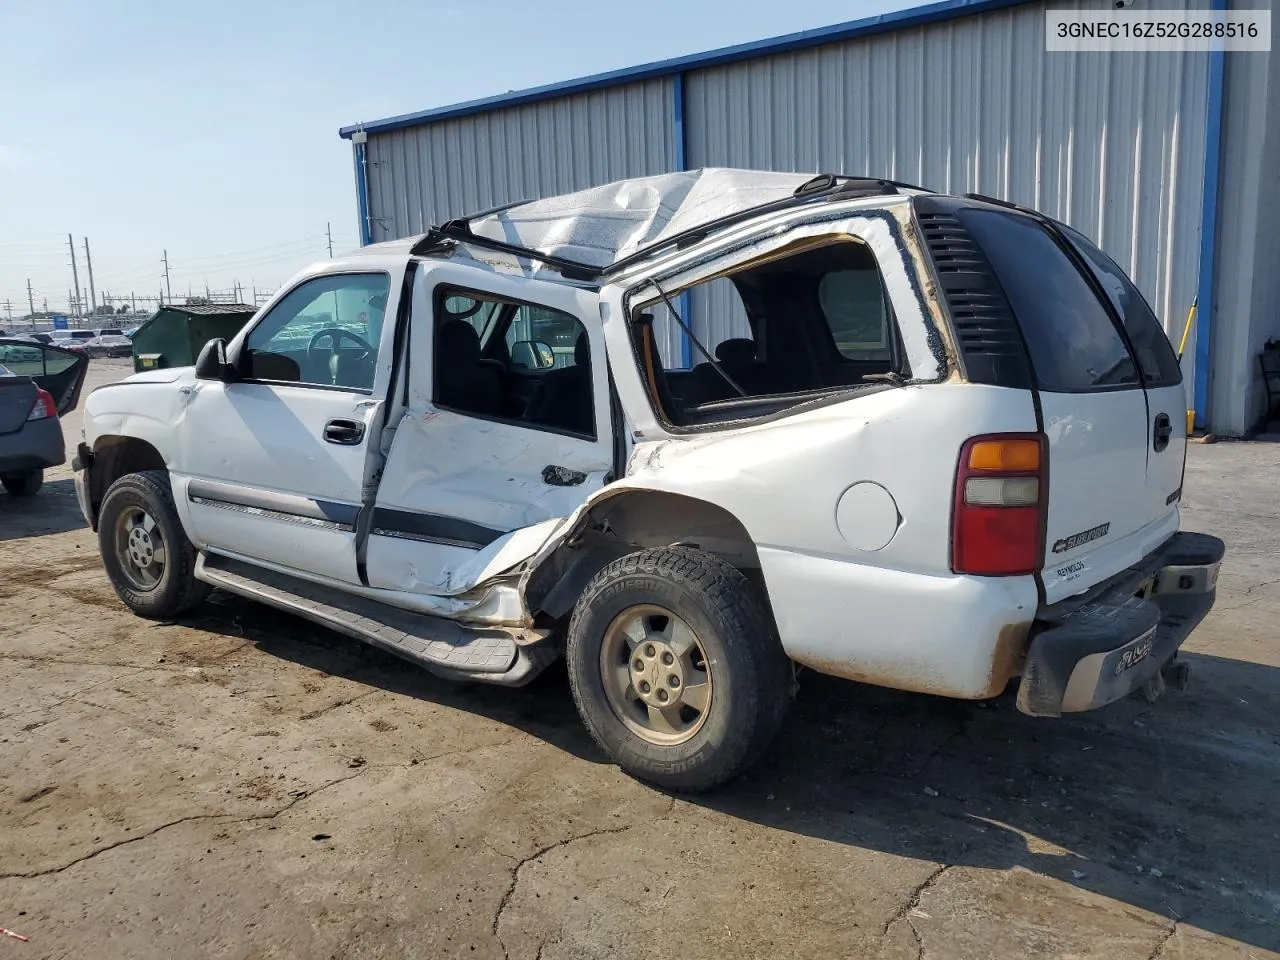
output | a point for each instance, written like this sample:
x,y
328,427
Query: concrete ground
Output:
x,y
245,785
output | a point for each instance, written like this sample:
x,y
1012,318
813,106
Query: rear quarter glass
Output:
x,y
1073,344
1156,358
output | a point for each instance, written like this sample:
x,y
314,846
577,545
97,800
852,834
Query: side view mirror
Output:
x,y
532,355
212,363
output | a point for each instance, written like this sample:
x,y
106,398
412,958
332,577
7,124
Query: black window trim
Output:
x,y
1073,257
332,387
445,289
1117,318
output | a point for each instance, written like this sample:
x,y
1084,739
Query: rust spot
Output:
x,y
1006,663
902,679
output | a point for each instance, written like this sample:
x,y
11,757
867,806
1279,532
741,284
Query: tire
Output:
x,y
746,672
159,590
24,485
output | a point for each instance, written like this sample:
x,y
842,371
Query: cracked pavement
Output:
x,y
245,785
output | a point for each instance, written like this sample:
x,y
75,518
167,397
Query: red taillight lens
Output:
x,y
1001,496
45,407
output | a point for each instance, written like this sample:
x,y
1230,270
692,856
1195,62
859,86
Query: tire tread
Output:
x,y
188,592
732,601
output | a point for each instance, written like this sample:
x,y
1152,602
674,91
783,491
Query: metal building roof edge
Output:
x,y
880,23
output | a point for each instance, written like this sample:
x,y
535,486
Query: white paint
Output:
x,y
867,516
484,471
1099,445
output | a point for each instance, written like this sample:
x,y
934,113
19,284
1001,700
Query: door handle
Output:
x,y
1161,432
348,433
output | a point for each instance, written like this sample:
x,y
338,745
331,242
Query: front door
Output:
x,y
274,465
507,429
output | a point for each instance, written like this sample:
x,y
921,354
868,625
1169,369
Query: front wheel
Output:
x,y
676,668
25,484
147,555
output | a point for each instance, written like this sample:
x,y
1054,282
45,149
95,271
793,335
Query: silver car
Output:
x,y
38,384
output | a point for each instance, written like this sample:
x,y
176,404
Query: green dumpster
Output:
x,y
175,335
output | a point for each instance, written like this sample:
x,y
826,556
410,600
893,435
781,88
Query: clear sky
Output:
x,y
211,129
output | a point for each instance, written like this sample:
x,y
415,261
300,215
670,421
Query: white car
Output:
x,y
936,443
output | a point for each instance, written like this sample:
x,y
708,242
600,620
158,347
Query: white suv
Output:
x,y
934,443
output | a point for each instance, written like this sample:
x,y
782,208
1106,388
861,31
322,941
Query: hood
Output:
x,y
165,375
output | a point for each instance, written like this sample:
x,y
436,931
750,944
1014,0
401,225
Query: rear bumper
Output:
x,y
1092,650
36,446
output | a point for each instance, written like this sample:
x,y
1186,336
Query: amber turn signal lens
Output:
x,y
1005,455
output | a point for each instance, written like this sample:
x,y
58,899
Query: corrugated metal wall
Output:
x,y
424,175
1111,143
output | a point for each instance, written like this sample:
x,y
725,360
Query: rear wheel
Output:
x,y
25,484
147,555
676,668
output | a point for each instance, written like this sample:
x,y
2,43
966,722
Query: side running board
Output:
x,y
445,648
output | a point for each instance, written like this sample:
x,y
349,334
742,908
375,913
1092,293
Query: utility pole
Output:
x,y
31,303
168,288
93,296
8,310
45,307
75,274
133,303
328,230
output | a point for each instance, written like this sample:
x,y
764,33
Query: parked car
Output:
x,y
907,464
37,386
109,345
108,332
20,350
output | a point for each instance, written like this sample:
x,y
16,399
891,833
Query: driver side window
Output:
x,y
325,333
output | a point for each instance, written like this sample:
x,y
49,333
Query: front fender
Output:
x,y
145,408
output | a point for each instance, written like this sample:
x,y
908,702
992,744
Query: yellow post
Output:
x,y
1182,345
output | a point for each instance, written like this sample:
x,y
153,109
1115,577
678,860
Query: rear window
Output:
x,y
1074,344
1156,359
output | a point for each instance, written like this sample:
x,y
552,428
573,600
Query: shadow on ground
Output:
x,y
1166,806
51,510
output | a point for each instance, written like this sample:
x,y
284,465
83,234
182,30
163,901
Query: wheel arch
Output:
x,y
114,456
624,520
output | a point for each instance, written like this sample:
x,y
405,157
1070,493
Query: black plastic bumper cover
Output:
x,y
1088,652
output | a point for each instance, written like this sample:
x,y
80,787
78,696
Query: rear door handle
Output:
x,y
348,433
1161,432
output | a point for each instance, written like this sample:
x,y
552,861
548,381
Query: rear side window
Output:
x,y
1073,343
1156,359
853,304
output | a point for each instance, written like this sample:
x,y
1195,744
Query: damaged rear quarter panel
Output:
x,y
895,616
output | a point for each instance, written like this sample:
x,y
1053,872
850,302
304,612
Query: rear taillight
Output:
x,y
1001,495
45,407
